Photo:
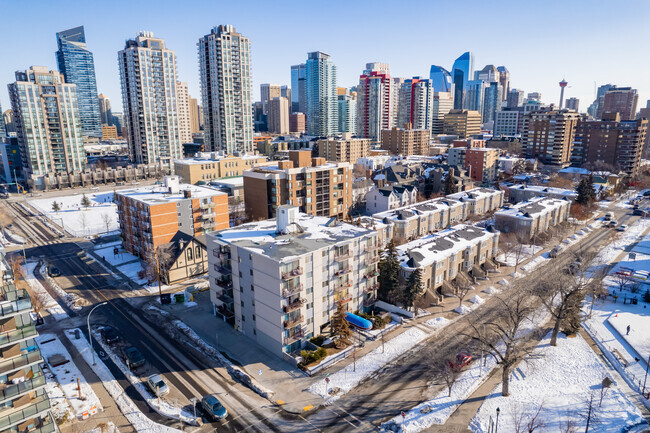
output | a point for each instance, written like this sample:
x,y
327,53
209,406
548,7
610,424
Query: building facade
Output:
x,y
572,104
207,166
463,123
374,97
299,88
297,123
442,104
515,98
347,109
415,104
461,72
531,218
225,72
622,100
150,98
105,112
278,117
508,122
492,101
344,148
77,65
322,101
548,136
405,142
184,118
48,123
483,163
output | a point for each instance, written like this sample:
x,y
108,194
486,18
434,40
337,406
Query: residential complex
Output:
x,y
151,216
463,123
280,281
278,115
316,186
533,217
207,166
77,66
347,111
225,71
322,101
48,124
508,122
621,100
479,201
549,135
482,163
522,192
297,123
390,197
344,148
149,94
415,104
406,141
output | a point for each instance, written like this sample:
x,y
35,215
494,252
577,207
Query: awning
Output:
x,y
358,321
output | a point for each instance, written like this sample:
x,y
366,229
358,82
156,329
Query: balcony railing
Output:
x,y
343,256
293,337
20,362
11,307
224,284
38,406
48,425
293,322
344,299
288,291
371,288
294,305
207,215
224,270
292,274
371,247
207,205
342,270
13,390
368,302
17,335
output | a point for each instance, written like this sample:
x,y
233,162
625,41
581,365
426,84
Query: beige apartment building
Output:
x,y
400,141
184,112
549,136
463,123
207,166
316,186
479,201
278,116
343,148
532,217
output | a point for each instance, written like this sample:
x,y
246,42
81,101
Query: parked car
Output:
x,y
462,360
607,217
555,251
213,407
621,228
158,385
53,271
612,224
110,335
134,358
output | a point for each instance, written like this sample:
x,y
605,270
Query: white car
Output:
x,y
158,385
621,228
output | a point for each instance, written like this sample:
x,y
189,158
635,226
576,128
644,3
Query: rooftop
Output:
x,y
207,157
528,209
546,189
159,194
412,211
309,233
474,194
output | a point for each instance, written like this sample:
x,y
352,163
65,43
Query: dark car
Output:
x,y
215,410
110,335
134,358
53,271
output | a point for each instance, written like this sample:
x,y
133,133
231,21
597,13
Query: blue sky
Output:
x,y
541,42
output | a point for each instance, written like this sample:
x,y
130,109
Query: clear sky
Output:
x,y
586,42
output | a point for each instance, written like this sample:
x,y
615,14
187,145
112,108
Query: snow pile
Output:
x,y
109,427
613,249
67,376
107,252
535,263
476,299
71,300
575,372
137,419
462,309
59,404
437,323
491,290
346,379
13,237
40,295
503,282
524,252
161,406
639,337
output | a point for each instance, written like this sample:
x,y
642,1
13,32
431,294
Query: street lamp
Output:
x,y
646,375
90,336
496,428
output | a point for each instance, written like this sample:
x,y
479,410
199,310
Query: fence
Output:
x,y
330,361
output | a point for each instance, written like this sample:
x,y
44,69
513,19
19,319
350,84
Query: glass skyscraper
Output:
x,y
440,79
298,88
461,73
322,101
77,65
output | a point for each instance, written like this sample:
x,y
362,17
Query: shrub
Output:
x,y
318,340
310,356
646,296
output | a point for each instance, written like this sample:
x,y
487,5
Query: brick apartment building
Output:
x,y
344,148
151,216
207,166
405,142
482,163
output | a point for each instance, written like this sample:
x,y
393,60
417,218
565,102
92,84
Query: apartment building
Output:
x,y
479,201
548,136
406,141
207,166
297,122
453,254
463,123
391,197
25,405
508,122
109,132
344,148
316,186
530,218
522,192
483,163
151,216
279,281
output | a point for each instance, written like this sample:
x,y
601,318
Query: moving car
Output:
x,y
462,360
110,335
53,271
213,407
157,385
621,228
134,358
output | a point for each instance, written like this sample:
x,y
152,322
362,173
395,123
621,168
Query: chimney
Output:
x,y
286,216
187,193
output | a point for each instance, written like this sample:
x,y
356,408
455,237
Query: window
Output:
x,y
254,317
251,272
324,299
242,304
189,254
198,252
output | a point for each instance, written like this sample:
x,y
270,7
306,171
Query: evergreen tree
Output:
x,y
389,268
340,326
413,288
85,202
585,190
55,206
449,182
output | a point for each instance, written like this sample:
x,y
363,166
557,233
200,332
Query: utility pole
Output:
x,y
646,375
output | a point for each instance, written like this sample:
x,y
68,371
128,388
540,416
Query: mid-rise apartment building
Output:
x,y
297,123
48,123
442,104
406,141
621,100
109,132
533,217
508,122
25,404
280,281
151,216
463,123
344,148
549,135
207,166
483,163
316,186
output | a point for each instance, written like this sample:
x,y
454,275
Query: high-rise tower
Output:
x,y
322,101
461,73
374,101
563,84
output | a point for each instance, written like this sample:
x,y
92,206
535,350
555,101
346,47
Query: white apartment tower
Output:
x,y
322,101
224,64
184,117
46,115
150,99
374,101
443,103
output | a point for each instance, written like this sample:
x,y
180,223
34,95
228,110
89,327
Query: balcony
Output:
x,y
294,305
343,299
11,390
372,247
372,260
48,425
288,324
369,302
223,270
16,335
343,270
22,361
208,224
225,297
15,303
39,406
292,274
371,288
293,337
343,256
207,205
207,215
288,291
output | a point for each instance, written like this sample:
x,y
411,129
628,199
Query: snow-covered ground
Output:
x,y
42,296
69,377
526,252
639,336
561,380
127,263
76,219
59,404
109,428
137,419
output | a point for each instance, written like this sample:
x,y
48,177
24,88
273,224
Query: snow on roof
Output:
x,y
574,170
438,246
413,210
209,157
308,233
474,194
230,181
546,190
159,194
528,209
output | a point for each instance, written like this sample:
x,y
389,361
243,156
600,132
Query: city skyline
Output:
x,y
527,55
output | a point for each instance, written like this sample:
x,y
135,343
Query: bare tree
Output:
x,y
502,338
590,413
462,290
513,245
156,264
108,219
83,222
448,372
623,278
527,424
568,426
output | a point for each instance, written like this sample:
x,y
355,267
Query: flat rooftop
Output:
x,y
546,189
210,157
308,234
159,194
